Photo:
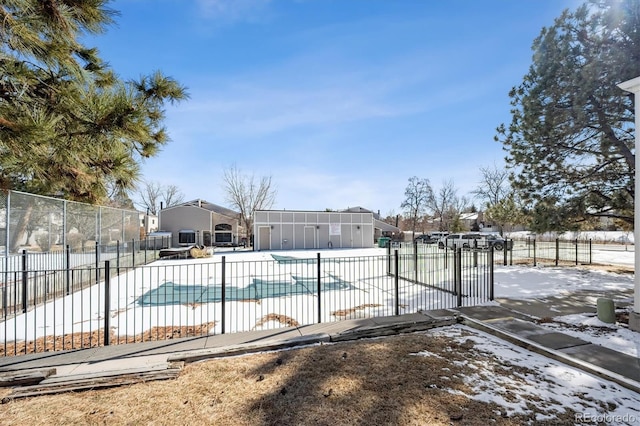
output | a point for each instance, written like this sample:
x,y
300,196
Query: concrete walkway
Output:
x,y
512,320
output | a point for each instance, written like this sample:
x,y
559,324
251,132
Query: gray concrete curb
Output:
x,y
552,353
242,349
275,344
390,330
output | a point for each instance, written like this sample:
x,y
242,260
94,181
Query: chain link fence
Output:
x,y
41,224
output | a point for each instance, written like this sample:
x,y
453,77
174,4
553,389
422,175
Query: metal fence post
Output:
x,y
68,269
118,257
475,252
589,251
534,252
318,271
491,276
513,243
415,259
25,279
557,250
389,259
396,282
223,294
133,253
505,252
458,275
97,263
576,251
107,303
446,257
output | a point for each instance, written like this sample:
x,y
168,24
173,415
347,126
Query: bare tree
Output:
x,y
501,204
152,193
417,195
248,194
446,205
494,186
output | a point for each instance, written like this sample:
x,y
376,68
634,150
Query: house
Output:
x,y
471,220
299,229
199,222
148,223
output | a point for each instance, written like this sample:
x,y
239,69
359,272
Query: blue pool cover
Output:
x,y
178,294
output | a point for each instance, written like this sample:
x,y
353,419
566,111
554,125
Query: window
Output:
x,y
223,237
186,237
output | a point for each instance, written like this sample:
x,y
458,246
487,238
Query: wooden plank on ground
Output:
x,y
89,384
26,377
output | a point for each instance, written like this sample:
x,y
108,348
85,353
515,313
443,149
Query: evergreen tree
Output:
x,y
570,143
506,212
68,125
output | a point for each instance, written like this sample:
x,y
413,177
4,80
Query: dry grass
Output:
x,y
379,381
618,269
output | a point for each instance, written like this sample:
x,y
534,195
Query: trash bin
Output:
x,y
383,241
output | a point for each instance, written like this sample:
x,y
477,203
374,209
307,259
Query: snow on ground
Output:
x,y
616,255
589,328
523,282
546,386
541,282
184,292
594,236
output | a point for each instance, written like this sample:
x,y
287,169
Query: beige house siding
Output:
x,y
201,220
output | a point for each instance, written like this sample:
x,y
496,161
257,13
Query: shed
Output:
x,y
299,229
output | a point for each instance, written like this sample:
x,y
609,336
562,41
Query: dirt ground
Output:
x,y
374,381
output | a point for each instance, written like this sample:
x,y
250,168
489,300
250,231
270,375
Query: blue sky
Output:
x,y
340,101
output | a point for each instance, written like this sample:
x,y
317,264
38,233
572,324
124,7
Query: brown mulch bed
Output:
x,y
282,319
347,312
96,338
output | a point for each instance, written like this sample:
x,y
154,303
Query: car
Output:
x,y
474,240
436,235
499,243
430,238
463,240
425,239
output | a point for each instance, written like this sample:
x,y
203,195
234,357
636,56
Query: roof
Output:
x,y
358,209
207,206
469,216
384,226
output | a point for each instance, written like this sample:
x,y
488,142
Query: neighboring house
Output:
x,y
299,229
148,222
471,221
201,223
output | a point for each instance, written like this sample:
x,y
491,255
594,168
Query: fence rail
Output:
x,y
181,298
60,273
531,251
76,299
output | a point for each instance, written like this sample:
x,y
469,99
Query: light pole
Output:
x,y
633,86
